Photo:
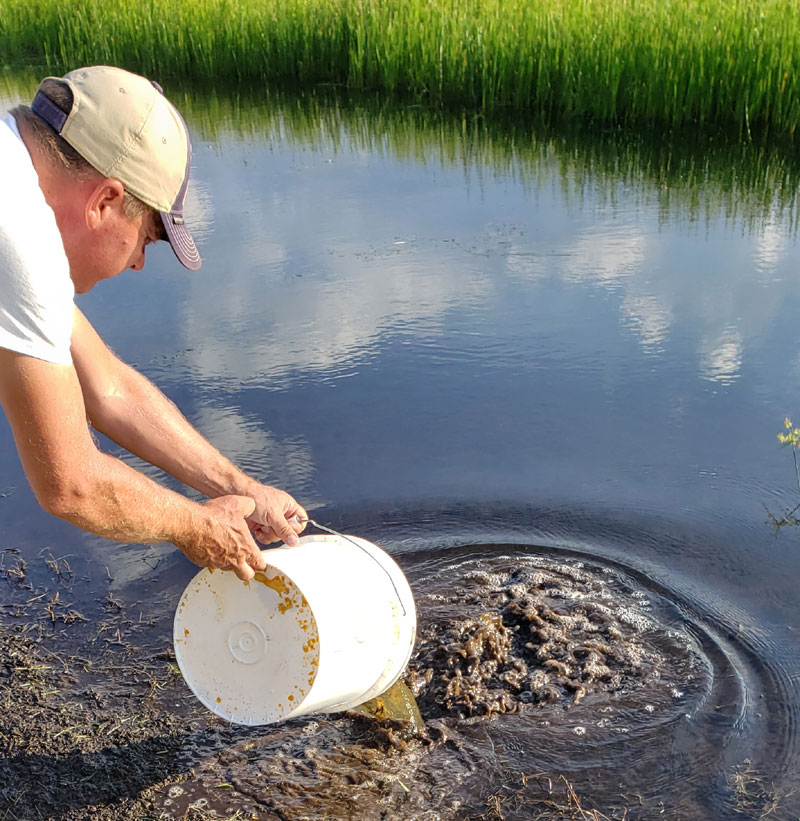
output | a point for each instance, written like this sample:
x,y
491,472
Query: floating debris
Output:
x,y
549,634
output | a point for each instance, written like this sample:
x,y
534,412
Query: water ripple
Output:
x,y
704,727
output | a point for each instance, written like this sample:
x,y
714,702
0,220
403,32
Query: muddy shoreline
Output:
x,y
97,723
69,752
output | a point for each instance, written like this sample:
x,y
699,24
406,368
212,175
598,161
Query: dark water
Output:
x,y
493,351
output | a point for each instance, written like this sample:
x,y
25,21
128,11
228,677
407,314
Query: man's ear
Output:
x,y
105,201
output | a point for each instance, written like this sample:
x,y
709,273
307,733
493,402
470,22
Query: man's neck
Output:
x,y
53,180
37,157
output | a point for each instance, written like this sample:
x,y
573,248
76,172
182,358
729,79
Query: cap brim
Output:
x,y
182,243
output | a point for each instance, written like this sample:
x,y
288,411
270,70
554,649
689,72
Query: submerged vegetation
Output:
x,y
724,62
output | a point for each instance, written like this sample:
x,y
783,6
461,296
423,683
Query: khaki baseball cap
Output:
x,y
126,128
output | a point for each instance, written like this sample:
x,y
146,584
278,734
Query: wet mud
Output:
x,y
534,678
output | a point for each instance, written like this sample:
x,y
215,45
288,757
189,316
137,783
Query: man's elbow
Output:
x,y
64,497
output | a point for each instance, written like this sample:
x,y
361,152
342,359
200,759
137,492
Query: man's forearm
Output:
x,y
140,418
113,500
129,409
72,479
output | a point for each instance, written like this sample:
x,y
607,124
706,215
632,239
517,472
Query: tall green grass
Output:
x,y
732,63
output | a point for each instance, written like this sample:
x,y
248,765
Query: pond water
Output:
x,y
498,353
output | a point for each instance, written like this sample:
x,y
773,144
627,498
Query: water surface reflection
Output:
x,y
442,333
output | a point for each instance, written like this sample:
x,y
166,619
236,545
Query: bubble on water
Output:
x,y
579,730
634,619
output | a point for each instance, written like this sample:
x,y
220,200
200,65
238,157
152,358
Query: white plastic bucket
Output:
x,y
329,625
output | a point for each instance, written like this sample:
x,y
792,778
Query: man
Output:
x,y
92,173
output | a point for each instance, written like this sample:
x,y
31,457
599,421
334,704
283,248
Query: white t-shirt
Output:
x,y
36,292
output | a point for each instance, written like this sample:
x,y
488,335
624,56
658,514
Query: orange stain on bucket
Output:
x,y
278,583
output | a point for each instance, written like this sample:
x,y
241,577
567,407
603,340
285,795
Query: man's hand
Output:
x,y
223,539
277,516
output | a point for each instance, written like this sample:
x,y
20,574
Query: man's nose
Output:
x,y
138,263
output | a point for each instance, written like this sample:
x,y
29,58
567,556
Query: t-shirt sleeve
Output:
x,y
36,301
36,292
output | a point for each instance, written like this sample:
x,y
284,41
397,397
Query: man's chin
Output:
x,y
82,287
84,284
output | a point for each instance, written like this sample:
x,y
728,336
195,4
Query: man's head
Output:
x,y
119,155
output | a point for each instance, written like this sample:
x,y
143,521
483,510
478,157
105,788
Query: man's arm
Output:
x,y
75,481
130,410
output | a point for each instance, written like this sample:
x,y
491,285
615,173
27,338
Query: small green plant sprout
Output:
x,y
792,437
789,436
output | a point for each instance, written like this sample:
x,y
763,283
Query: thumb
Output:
x,y
244,505
285,532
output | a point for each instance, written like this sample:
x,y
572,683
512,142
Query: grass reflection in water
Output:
x,y
686,175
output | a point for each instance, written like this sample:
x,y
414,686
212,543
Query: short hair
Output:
x,y
60,151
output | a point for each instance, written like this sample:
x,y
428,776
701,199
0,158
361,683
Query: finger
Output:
x,y
264,534
283,529
245,505
299,520
244,571
251,553
257,560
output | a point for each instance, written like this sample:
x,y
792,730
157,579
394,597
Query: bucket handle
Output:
x,y
360,547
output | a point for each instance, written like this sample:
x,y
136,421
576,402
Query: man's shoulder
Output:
x,y
20,186
36,292
29,237
14,154
28,229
